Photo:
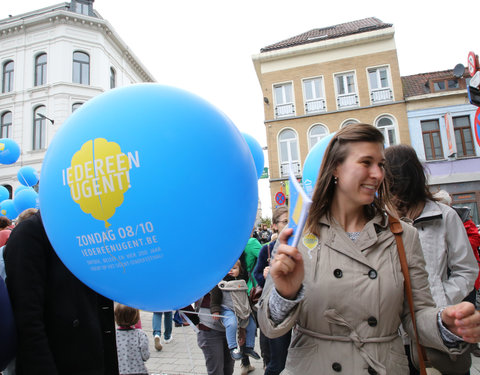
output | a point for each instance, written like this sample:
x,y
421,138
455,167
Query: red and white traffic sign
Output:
x,y
472,63
280,198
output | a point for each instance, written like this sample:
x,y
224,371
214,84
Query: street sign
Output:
x,y
472,63
477,125
280,198
475,81
265,173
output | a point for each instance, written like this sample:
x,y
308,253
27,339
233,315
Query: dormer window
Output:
x,y
82,7
447,84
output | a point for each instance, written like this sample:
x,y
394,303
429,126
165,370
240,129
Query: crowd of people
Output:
x,y
384,264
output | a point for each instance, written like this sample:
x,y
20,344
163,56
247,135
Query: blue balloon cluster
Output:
x,y
27,176
312,164
144,174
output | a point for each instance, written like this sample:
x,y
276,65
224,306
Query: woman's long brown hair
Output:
x,y
335,154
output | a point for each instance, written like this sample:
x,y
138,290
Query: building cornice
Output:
x,y
55,15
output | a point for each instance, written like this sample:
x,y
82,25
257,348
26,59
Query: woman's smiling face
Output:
x,y
360,175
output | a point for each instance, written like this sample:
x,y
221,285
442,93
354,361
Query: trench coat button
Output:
x,y
371,371
338,274
76,323
372,274
372,321
336,366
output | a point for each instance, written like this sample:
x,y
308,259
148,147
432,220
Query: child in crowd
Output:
x,y
132,343
230,298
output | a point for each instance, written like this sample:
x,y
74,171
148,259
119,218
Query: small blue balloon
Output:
x,y
27,198
113,199
9,151
312,164
7,208
27,176
19,189
4,193
257,153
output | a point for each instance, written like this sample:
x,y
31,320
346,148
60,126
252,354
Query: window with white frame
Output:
x,y
346,90
349,121
288,148
76,106
7,76
316,133
283,95
41,69
81,68
39,128
380,90
314,96
463,136
6,125
387,126
113,78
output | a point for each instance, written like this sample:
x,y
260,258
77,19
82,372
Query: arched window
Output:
x,y
81,68
316,133
288,148
113,78
39,128
7,76
9,188
41,69
386,125
76,106
350,121
6,125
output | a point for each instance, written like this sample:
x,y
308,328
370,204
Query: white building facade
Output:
x,y
53,60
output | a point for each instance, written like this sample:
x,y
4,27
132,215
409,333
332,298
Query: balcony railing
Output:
x,y
347,100
315,105
282,110
295,166
381,95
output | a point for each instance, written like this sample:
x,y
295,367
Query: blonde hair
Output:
x,y
26,214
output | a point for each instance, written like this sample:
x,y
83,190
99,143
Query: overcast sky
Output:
x,y
206,46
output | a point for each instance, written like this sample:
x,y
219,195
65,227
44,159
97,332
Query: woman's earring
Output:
x,y
335,179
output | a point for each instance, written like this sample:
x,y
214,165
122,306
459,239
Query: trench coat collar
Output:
x,y
335,237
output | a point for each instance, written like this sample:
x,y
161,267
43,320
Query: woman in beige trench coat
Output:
x,y
342,289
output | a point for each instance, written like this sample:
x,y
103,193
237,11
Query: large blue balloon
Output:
x,y
4,193
7,208
8,343
312,164
132,186
9,151
27,176
27,198
257,153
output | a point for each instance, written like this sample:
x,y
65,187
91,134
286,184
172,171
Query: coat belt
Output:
x,y
335,318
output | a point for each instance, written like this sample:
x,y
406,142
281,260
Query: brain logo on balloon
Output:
x,y
99,177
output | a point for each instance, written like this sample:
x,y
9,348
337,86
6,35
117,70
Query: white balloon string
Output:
x,y
199,313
